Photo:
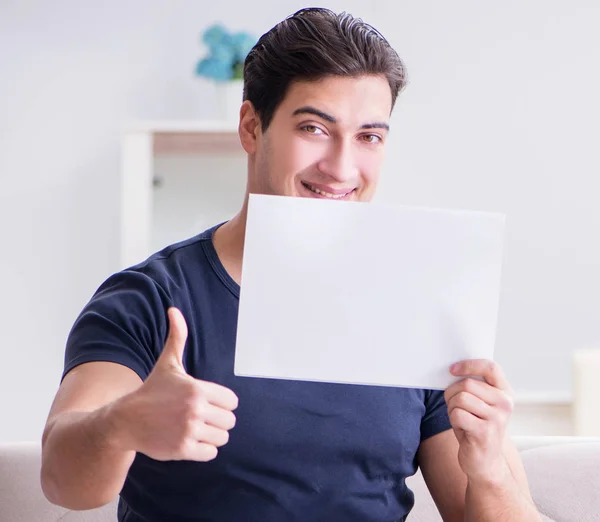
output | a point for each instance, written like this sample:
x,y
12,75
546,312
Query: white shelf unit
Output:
x,y
173,146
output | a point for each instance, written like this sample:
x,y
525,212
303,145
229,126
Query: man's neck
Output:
x,y
228,241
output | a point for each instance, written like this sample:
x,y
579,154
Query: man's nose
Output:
x,y
340,164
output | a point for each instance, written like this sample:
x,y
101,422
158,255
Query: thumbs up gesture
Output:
x,y
177,417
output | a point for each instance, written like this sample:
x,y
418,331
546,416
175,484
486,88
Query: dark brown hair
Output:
x,y
312,44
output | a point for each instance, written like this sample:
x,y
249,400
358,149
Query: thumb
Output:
x,y
172,353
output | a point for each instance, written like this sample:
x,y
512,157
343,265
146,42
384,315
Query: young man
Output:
x,y
146,404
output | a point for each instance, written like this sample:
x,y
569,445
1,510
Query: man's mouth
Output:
x,y
326,194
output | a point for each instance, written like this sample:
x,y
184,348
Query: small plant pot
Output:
x,y
229,100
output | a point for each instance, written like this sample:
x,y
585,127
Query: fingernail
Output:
x,y
454,367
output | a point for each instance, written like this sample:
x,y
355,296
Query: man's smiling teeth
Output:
x,y
326,194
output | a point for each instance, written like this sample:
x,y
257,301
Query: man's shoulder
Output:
x,y
169,271
179,252
177,258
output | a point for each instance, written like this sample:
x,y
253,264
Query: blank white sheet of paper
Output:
x,y
362,293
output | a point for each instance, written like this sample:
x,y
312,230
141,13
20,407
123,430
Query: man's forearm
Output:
x,y
82,467
499,500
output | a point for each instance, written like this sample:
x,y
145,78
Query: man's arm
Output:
x,y
505,498
103,415
83,466
474,472
461,500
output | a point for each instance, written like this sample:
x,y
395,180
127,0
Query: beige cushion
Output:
x,y
565,480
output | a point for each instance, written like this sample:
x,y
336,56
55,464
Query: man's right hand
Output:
x,y
174,416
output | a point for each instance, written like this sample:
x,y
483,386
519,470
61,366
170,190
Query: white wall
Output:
x,y
501,114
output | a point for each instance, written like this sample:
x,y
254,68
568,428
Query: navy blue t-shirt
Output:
x,y
299,450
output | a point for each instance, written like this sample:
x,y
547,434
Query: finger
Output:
x,y
220,396
218,417
172,353
470,403
490,371
200,452
211,435
482,390
464,420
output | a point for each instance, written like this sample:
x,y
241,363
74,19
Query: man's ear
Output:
x,y
249,128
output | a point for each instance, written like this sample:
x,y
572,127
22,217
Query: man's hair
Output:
x,y
313,44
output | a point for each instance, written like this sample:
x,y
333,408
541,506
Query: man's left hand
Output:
x,y
479,412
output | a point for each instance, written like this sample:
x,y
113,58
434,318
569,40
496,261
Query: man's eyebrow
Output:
x,y
315,112
376,125
327,117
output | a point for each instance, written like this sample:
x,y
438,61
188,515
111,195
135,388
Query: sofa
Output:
x,y
564,476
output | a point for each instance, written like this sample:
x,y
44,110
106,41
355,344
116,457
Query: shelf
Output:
x,y
190,136
146,141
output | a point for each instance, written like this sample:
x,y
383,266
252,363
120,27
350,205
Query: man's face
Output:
x,y
326,140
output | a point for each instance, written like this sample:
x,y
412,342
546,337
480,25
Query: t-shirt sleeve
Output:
x,y
125,322
436,417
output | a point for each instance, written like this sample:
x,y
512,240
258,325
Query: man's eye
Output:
x,y
371,138
312,129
